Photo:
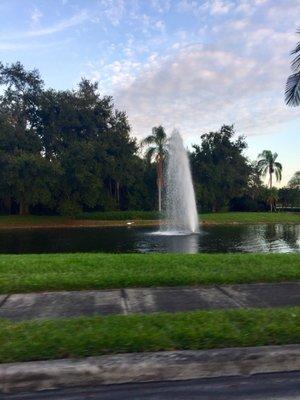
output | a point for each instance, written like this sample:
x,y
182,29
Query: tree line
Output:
x,y
67,151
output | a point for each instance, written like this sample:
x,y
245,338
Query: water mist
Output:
x,y
180,202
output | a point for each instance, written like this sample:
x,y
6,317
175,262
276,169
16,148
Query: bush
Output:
x,y
69,208
246,203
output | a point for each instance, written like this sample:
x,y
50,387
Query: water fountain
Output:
x,y
180,203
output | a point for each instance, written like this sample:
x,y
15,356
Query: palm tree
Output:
x,y
272,198
292,90
267,164
157,150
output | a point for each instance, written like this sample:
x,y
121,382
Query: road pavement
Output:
x,y
283,386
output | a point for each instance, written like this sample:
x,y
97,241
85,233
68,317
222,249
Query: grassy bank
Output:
x,y
215,218
43,221
142,218
91,336
46,272
120,215
250,217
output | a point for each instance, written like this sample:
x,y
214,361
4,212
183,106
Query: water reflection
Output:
x,y
277,238
174,244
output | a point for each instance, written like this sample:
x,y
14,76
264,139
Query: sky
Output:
x,y
186,64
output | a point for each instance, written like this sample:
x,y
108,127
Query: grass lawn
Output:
x,y
251,217
147,218
120,215
91,336
46,272
216,218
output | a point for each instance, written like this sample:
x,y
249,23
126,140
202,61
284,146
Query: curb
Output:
x,y
147,367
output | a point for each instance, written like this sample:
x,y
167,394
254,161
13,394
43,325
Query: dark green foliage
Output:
x,y
25,175
289,197
220,170
294,182
66,151
247,203
292,89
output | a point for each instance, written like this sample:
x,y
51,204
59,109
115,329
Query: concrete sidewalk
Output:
x,y
147,300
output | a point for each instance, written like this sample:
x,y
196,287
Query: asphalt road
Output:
x,y
284,386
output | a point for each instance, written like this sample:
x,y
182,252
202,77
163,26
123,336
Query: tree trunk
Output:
x,y
270,180
7,204
24,208
159,181
159,194
118,192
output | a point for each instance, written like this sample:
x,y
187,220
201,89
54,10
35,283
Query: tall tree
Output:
x,y
267,164
91,141
294,182
25,173
157,150
292,91
271,197
64,151
220,170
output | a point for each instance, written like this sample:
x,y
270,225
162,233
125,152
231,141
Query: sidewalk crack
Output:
x,y
224,291
124,300
4,300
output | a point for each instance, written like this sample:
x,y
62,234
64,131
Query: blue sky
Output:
x,y
188,64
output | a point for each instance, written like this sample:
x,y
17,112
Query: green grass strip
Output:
x,y
120,215
48,272
92,336
220,218
251,217
146,217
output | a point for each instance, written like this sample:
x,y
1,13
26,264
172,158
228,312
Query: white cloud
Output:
x,y
235,79
160,25
239,24
36,15
220,7
188,6
230,68
60,26
161,6
76,19
114,10
14,46
214,7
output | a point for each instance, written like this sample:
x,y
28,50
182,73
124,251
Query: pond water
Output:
x,y
275,238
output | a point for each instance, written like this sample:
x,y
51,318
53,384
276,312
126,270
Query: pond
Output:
x,y
275,238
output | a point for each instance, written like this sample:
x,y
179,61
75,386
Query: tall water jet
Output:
x,y
180,203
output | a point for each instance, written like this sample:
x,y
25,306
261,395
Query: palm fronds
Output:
x,y
278,171
151,139
292,89
150,153
267,164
